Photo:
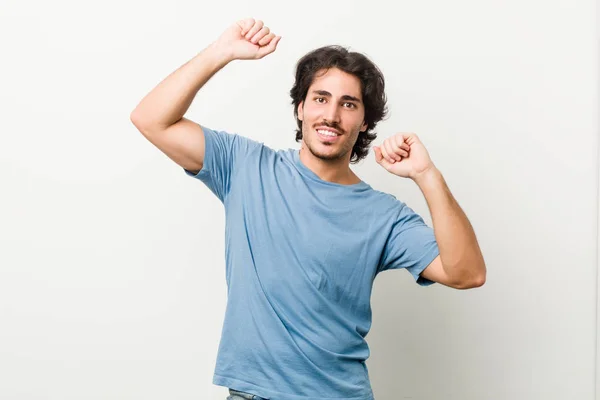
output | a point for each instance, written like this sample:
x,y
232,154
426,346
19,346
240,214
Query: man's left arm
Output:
x,y
460,264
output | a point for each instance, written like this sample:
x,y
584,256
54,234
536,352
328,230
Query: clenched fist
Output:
x,y
247,39
404,155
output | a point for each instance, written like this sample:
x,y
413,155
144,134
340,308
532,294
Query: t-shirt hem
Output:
x,y
425,261
244,386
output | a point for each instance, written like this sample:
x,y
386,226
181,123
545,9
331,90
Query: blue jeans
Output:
x,y
237,395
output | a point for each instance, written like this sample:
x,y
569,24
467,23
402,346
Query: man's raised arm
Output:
x,y
159,116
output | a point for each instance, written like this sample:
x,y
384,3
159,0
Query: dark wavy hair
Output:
x,y
357,64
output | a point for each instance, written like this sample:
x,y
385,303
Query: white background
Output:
x,y
112,280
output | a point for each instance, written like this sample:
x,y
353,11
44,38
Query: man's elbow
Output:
x,y
139,121
473,280
477,282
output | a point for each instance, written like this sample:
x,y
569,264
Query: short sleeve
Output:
x,y
223,153
411,245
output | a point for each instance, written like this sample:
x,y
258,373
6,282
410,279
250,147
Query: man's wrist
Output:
x,y
429,177
219,54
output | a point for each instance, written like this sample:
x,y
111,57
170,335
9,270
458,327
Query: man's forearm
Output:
x,y
459,250
170,99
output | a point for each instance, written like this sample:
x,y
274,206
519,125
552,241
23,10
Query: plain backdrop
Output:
x,y
112,280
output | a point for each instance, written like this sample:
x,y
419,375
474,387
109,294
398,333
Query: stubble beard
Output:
x,y
311,145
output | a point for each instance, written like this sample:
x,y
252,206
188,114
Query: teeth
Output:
x,y
326,133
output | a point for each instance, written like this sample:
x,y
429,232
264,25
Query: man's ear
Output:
x,y
300,111
364,127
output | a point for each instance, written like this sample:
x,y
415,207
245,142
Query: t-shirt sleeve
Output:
x,y
411,245
224,152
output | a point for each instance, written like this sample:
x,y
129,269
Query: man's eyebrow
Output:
x,y
344,97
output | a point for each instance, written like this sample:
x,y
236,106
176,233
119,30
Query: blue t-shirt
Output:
x,y
301,255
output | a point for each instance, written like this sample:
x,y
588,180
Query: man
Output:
x,y
305,236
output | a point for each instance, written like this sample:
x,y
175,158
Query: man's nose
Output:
x,y
332,113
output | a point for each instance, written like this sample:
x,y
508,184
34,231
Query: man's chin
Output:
x,y
333,155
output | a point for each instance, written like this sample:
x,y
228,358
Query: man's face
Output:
x,y
332,115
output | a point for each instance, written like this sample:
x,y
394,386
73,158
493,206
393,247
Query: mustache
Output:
x,y
332,125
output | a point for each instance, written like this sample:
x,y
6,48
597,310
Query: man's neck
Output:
x,y
335,171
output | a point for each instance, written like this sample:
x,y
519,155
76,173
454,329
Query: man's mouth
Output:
x,y
327,134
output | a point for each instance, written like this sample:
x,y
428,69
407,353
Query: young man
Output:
x,y
305,236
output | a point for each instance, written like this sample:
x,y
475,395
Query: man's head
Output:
x,y
339,91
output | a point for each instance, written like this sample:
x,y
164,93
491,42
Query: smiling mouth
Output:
x,y
327,133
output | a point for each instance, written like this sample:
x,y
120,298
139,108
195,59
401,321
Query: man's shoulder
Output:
x,y
386,198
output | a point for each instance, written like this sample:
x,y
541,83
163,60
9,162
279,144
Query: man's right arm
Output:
x,y
159,116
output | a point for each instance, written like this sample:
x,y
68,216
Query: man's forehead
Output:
x,y
338,82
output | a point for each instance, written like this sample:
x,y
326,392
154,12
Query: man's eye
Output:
x,y
319,99
349,105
